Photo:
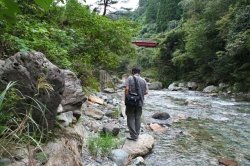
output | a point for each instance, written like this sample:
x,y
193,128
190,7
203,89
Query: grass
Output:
x,y
19,130
102,144
116,112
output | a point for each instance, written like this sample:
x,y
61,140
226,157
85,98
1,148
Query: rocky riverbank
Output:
x,y
71,114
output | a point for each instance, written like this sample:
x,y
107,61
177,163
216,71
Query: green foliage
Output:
x,y
102,144
168,11
104,40
18,129
7,102
152,10
116,112
10,8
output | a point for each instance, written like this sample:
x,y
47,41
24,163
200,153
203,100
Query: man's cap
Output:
x,y
136,70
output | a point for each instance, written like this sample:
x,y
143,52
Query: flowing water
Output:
x,y
214,127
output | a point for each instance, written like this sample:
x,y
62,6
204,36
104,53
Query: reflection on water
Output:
x,y
214,127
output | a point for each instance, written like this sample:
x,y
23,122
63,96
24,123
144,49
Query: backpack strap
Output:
x,y
136,86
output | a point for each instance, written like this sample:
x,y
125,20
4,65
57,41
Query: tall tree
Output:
x,y
106,4
143,3
152,11
169,10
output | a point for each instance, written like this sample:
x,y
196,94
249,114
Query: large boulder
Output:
x,y
174,87
211,89
27,69
73,95
112,129
68,149
155,86
92,112
141,147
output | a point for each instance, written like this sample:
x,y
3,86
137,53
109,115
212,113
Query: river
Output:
x,y
214,127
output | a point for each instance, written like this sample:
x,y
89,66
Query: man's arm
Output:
x,y
146,92
126,92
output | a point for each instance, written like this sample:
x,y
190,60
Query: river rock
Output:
x,y
140,147
65,118
192,85
93,112
119,156
173,87
155,86
181,116
161,115
223,86
1,62
112,129
227,162
67,150
213,94
138,161
156,127
211,89
27,68
176,133
91,124
109,90
73,95
167,122
77,114
95,99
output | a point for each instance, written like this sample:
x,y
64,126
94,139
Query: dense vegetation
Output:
x,y
70,35
206,41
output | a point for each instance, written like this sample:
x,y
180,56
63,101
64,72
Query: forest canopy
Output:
x,y
206,41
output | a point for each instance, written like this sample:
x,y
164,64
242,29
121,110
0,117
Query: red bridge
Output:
x,y
145,43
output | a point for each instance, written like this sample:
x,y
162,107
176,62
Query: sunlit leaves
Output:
x,y
105,40
8,15
45,4
11,8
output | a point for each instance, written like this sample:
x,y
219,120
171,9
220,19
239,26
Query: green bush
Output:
x,y
116,112
102,144
18,129
7,102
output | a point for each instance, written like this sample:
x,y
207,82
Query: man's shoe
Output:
x,y
130,138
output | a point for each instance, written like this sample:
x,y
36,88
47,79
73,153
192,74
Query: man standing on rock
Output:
x,y
134,112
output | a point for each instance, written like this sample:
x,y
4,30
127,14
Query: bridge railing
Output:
x,y
143,40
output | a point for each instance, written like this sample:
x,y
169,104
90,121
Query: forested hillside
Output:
x,y
206,41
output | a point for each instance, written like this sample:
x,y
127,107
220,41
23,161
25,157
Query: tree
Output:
x,y
152,11
106,4
169,10
9,8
